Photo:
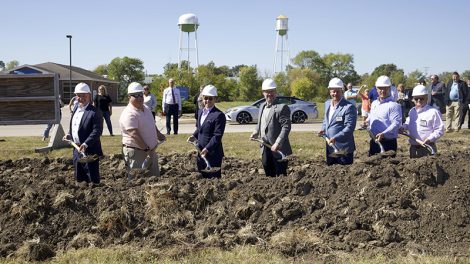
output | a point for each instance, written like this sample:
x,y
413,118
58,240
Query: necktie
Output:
x,y
173,95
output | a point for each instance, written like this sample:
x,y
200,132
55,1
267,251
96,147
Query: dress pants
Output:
x,y
388,144
89,172
173,110
272,167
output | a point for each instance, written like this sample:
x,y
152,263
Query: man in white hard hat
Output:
x,y
86,127
385,118
273,127
140,136
423,123
210,128
339,124
171,105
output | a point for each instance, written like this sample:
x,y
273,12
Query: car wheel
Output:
x,y
299,117
243,118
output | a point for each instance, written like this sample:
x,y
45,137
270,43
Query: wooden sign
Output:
x,y
29,99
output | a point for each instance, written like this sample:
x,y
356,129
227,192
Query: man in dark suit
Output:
x,y
210,127
339,124
455,98
437,89
273,127
86,126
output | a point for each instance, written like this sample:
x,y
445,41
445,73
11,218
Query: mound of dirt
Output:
x,y
377,205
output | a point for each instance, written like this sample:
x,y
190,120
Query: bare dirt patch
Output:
x,y
390,206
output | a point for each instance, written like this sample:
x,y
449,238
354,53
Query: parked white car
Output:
x,y
300,110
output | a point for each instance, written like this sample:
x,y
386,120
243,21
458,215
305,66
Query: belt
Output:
x,y
125,146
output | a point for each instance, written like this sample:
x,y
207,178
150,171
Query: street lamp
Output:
x,y
70,68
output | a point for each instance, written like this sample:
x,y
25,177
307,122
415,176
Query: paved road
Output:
x,y
186,126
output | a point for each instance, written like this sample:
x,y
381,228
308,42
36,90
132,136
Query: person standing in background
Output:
x,y
198,102
455,97
171,105
103,103
149,100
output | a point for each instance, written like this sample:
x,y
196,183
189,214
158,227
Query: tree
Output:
x,y
310,59
249,84
235,70
282,82
318,83
341,66
414,78
101,69
2,65
465,75
390,70
303,88
11,65
126,70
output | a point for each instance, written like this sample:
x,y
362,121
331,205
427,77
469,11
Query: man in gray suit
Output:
x,y
339,124
273,128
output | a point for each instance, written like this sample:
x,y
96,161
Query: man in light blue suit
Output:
x,y
338,125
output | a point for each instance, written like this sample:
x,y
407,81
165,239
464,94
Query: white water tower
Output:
x,y
188,23
281,37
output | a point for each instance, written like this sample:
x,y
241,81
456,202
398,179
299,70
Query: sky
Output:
x,y
426,35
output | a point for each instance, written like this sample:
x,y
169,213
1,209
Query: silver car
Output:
x,y
300,110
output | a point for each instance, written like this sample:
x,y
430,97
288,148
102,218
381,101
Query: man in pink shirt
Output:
x,y
423,123
140,136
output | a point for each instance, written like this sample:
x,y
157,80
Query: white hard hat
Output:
x,y
268,84
383,81
135,87
209,90
419,90
82,88
335,83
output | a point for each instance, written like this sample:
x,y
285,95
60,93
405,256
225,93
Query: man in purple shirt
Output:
x,y
385,118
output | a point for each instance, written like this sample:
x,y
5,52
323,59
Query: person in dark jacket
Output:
x,y
455,98
210,127
86,126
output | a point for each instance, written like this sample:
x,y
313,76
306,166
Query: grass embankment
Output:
x,y
241,254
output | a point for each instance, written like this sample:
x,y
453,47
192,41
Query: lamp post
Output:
x,y
70,66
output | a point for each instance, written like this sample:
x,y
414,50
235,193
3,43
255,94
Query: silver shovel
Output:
x,y
283,157
427,146
336,152
209,168
372,136
83,157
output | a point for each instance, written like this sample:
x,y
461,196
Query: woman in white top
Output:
x,y
149,100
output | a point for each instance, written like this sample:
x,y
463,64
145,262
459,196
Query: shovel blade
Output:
x,y
89,158
339,153
211,169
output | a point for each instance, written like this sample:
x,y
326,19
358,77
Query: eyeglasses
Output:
x,y
209,98
420,98
139,95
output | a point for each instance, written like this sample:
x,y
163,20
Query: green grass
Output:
x,y
240,254
305,144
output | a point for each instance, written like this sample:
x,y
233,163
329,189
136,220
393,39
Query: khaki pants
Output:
x,y
135,157
453,116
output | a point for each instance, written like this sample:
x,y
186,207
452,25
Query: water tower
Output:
x,y
283,50
188,23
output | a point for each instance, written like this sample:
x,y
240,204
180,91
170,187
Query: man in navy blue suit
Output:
x,y
339,124
86,126
210,127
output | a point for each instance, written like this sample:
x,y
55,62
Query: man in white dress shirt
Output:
x,y
171,105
